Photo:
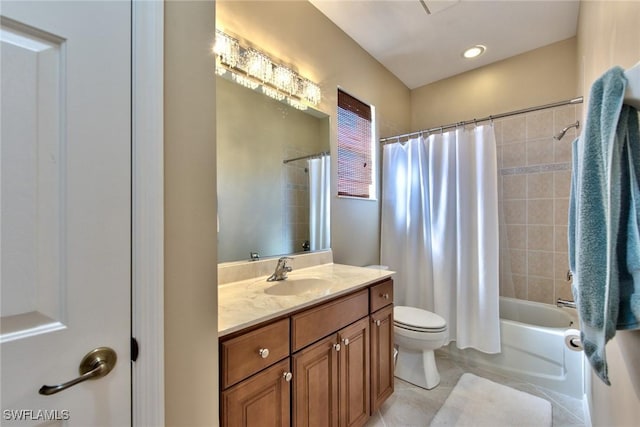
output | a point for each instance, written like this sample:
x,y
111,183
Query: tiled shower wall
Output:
x,y
296,199
534,176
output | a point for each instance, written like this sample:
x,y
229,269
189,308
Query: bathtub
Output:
x,y
533,348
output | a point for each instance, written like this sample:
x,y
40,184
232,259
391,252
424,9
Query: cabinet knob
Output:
x,y
385,296
378,323
263,352
287,376
345,341
337,347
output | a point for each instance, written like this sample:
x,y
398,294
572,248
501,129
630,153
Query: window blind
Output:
x,y
355,168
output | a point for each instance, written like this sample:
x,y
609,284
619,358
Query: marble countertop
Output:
x,y
245,303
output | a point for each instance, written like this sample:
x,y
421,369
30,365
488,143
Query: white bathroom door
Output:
x,y
65,225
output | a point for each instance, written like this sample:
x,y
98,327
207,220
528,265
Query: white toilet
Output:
x,y
417,334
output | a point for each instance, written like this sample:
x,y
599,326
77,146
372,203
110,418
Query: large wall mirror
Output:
x,y
266,206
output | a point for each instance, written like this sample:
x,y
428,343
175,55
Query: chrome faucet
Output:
x,y
281,269
565,303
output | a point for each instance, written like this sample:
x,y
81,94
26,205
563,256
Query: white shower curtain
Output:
x,y
440,230
319,191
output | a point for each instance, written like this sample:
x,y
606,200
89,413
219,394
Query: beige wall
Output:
x,y
538,77
609,35
295,32
191,333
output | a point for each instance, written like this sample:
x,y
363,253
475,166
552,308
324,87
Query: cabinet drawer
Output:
x,y
315,323
381,295
245,355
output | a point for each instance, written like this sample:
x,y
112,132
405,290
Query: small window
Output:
x,y
355,148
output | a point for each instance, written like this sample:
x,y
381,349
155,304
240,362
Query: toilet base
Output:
x,y
417,367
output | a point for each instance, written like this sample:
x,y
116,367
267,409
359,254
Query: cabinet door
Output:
x,y
262,400
354,374
315,384
381,356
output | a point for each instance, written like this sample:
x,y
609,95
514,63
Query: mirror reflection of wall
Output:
x,y
263,204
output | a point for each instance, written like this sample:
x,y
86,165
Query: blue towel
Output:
x,y
604,218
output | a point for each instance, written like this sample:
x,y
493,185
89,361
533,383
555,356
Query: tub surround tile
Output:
x,y
561,211
561,244
562,149
514,155
540,289
505,289
562,183
539,124
499,157
540,186
517,236
540,237
514,187
540,212
563,290
520,286
528,239
514,211
514,129
560,265
497,128
518,261
563,117
540,264
540,151
535,169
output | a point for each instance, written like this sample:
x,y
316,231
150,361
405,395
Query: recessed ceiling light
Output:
x,y
474,52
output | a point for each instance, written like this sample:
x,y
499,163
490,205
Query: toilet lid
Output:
x,y
417,319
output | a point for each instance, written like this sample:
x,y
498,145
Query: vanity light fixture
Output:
x,y
252,68
474,52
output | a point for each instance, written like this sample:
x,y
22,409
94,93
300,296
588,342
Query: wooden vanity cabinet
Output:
x,y
354,386
331,379
315,384
382,363
335,367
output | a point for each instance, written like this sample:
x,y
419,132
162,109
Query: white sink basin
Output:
x,y
299,286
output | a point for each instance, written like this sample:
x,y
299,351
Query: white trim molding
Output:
x,y
147,211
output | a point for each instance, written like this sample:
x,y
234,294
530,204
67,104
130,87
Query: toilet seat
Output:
x,y
418,320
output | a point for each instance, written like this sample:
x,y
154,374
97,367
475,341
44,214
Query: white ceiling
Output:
x,y
421,48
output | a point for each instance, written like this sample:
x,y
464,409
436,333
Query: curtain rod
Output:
x,y
310,156
577,100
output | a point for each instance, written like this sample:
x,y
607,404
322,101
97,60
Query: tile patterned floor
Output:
x,y
412,406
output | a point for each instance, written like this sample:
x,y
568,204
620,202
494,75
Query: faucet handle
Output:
x,y
282,261
281,269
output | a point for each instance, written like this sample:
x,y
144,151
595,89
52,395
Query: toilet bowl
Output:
x,y
417,334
